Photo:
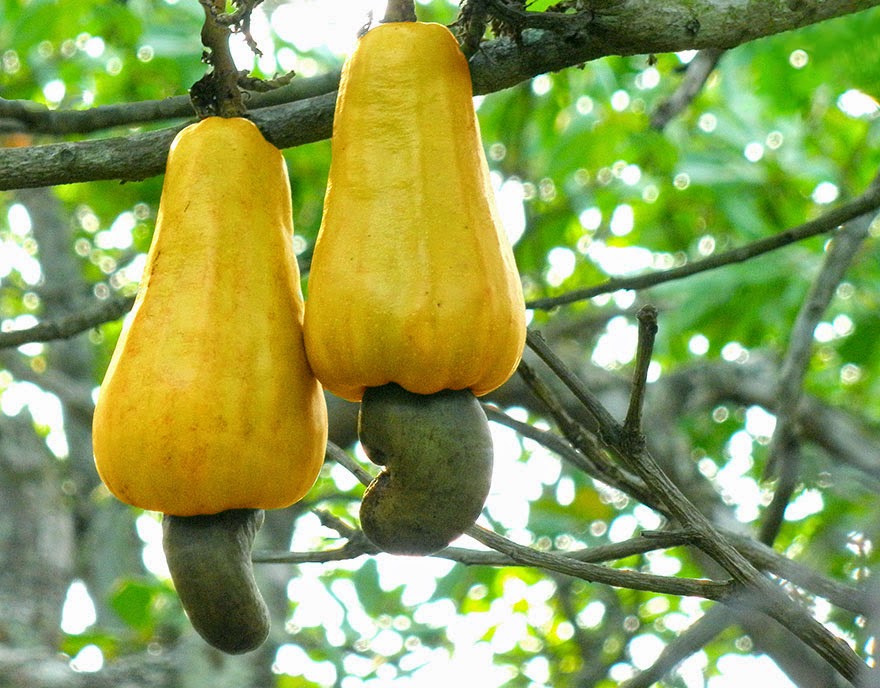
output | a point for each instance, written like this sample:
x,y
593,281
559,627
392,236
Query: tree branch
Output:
x,y
761,556
36,118
623,27
518,554
507,553
596,573
69,325
758,591
697,636
867,202
638,27
647,319
785,445
475,557
695,78
138,156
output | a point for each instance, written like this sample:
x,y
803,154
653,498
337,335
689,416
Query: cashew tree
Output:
x,y
685,465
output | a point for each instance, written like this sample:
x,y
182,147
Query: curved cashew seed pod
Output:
x,y
210,562
437,454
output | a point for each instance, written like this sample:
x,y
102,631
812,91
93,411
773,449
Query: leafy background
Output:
x,y
775,138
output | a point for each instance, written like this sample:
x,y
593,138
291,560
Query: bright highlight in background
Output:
x,y
312,24
857,104
78,613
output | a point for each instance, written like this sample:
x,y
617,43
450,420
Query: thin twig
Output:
x,y
340,456
695,77
241,13
597,463
608,425
868,201
477,557
784,454
350,550
356,546
784,463
333,522
578,448
69,325
647,319
697,636
621,578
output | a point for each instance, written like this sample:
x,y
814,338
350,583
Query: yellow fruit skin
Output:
x,y
412,280
209,402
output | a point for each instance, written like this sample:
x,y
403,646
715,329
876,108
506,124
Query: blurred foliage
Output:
x,y
767,144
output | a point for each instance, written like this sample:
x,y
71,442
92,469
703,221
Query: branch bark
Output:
x,y
618,27
698,72
758,591
785,447
760,555
67,326
35,118
867,202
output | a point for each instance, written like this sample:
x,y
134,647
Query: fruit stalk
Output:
x,y
399,11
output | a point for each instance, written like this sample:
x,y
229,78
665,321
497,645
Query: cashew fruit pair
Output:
x,y
414,305
211,408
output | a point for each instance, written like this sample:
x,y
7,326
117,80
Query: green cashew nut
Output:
x,y
437,454
210,562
